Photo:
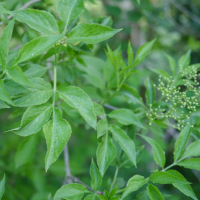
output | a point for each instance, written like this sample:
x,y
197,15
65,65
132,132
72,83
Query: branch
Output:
x,y
26,5
66,157
186,12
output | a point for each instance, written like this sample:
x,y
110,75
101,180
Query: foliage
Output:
x,y
59,94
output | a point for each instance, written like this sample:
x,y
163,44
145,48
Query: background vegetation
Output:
x,y
175,24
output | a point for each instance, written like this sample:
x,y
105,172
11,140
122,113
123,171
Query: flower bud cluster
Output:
x,y
181,101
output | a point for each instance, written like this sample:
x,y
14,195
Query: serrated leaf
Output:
x,y
154,193
167,177
5,43
34,118
2,186
125,142
17,75
4,96
69,9
78,99
91,33
39,20
130,54
40,94
70,190
181,142
106,152
92,197
150,93
57,132
36,47
134,184
3,105
143,51
172,64
35,70
184,61
25,151
158,152
192,163
125,116
192,150
131,94
102,127
96,178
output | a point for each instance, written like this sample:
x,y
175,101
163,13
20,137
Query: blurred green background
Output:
x,y
175,24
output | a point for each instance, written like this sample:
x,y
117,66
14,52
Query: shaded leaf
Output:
x,y
184,61
125,142
2,186
158,152
106,152
4,95
25,151
172,64
192,150
125,116
102,127
150,93
181,142
96,178
154,193
78,99
16,74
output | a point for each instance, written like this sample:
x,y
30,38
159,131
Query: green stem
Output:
x,y
55,77
114,179
120,191
172,165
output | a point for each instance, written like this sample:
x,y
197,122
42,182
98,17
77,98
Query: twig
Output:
x,y
186,12
110,107
26,5
66,157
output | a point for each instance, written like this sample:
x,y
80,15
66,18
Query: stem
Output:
x,y
173,164
114,179
66,157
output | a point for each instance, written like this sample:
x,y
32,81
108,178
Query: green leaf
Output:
x,y
192,163
35,70
25,151
184,61
57,132
172,64
130,54
142,196
134,184
106,152
91,33
185,188
69,9
2,186
96,178
143,51
36,47
150,93
125,116
39,20
154,193
70,190
92,197
78,99
5,43
102,127
34,119
181,142
3,105
4,95
40,94
17,75
192,150
131,95
167,177
158,153
125,142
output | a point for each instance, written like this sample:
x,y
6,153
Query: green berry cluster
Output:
x,y
181,101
